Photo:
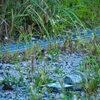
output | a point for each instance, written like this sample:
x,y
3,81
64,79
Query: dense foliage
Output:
x,y
20,18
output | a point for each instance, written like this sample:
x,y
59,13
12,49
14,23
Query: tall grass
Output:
x,y
47,18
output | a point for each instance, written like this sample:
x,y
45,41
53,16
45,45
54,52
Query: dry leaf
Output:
x,y
22,29
29,30
41,2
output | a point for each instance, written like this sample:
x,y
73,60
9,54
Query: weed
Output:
x,y
10,80
93,78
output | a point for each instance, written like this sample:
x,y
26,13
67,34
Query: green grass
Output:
x,y
46,18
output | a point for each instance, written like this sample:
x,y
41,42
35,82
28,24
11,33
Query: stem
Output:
x,y
1,5
33,62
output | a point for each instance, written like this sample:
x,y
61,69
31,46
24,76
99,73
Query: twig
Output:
x,y
32,62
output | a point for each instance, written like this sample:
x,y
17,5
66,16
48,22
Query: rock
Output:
x,y
1,78
83,94
7,87
75,78
74,97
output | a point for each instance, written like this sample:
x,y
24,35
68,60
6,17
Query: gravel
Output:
x,y
55,69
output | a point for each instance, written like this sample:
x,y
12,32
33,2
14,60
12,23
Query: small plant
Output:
x,y
10,80
93,78
10,57
58,70
42,78
34,93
